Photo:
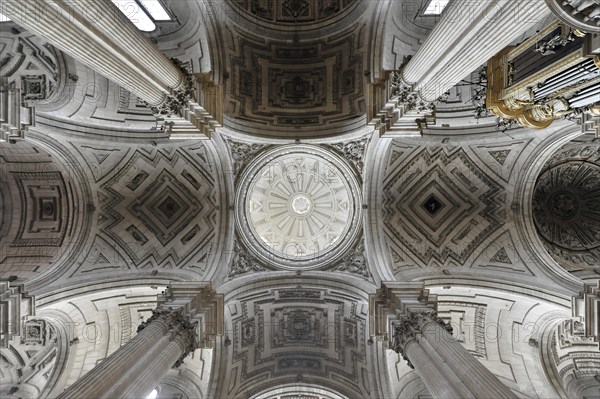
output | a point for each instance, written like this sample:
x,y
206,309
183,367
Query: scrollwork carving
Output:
x,y
243,262
353,151
175,102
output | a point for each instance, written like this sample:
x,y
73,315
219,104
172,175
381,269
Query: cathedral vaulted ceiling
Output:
x,y
297,333
299,206
566,206
154,208
295,74
440,204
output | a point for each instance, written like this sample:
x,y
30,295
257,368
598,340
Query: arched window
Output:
x,y
153,394
143,13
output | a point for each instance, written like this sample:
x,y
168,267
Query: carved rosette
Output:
x,y
409,328
566,209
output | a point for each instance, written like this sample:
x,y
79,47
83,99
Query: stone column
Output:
x,y
467,35
137,366
445,366
404,314
68,30
186,319
96,33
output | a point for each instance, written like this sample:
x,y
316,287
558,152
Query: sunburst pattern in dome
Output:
x,y
299,206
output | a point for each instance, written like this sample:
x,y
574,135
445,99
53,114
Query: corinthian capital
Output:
x,y
410,328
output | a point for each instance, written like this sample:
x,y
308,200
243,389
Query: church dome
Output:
x,y
298,207
566,209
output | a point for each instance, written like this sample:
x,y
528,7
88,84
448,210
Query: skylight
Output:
x,y
152,394
143,13
4,18
436,7
156,10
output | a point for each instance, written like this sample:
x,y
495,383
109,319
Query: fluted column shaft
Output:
x,y
445,366
467,35
97,34
136,367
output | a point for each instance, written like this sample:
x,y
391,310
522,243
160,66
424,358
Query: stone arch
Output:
x,y
300,391
524,193
297,330
44,209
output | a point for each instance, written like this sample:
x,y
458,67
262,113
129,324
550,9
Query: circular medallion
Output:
x,y
566,205
298,206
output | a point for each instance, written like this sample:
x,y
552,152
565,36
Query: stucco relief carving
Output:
x,y
272,79
440,206
566,206
292,11
299,330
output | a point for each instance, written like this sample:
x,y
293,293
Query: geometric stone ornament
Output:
x,y
440,206
284,332
502,254
501,257
566,207
500,158
158,207
101,161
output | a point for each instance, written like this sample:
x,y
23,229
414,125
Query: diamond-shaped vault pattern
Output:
x,y
159,207
440,205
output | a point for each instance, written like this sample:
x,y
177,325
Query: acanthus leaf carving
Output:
x,y
243,262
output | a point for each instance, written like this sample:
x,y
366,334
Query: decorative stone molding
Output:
x,y
243,262
395,301
194,306
405,113
15,306
355,262
242,153
353,151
